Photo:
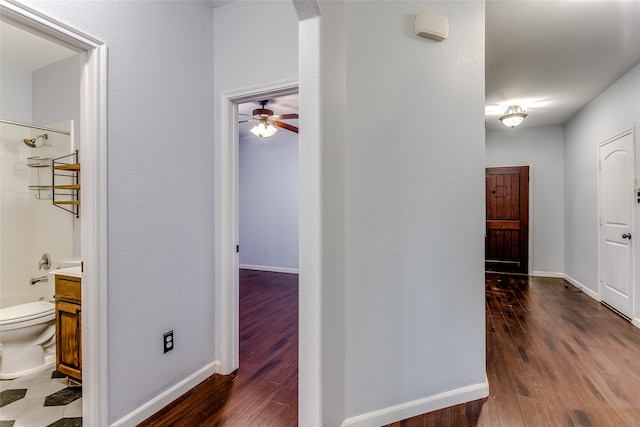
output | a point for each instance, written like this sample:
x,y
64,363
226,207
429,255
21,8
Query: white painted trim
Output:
x,y
93,210
311,406
226,218
94,238
166,397
531,201
548,274
582,287
269,268
420,406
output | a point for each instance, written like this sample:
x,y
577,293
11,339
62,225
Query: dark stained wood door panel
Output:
x,y
507,217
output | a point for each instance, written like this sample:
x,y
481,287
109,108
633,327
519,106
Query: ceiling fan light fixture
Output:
x,y
513,116
264,130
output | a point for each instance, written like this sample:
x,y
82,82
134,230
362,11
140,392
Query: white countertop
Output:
x,y
68,271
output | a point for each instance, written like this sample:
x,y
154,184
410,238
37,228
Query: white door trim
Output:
x,y
93,210
226,220
634,286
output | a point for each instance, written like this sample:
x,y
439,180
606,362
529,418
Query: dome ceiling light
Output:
x,y
513,116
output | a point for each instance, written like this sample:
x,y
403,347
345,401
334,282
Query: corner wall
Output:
x,y
413,289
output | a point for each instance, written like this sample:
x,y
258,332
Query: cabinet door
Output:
x,y
68,339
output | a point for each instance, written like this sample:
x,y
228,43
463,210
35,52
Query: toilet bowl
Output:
x,y
27,333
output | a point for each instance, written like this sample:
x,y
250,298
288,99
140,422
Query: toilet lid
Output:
x,y
22,312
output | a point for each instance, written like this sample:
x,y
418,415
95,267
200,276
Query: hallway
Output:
x,y
555,357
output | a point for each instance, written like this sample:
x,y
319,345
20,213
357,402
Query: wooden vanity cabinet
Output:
x,y
68,327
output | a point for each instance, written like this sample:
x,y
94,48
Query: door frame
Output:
x,y
634,252
227,220
531,219
93,210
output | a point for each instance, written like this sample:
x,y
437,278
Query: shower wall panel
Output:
x,y
29,227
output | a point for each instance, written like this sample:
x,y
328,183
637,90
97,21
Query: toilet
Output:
x,y
27,335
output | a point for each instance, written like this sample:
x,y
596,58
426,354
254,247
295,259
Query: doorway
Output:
x,y
507,219
227,222
93,210
616,174
268,231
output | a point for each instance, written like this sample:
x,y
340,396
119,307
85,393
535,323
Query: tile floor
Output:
x,y
42,399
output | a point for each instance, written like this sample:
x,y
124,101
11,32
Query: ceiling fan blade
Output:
x,y
286,116
247,121
285,126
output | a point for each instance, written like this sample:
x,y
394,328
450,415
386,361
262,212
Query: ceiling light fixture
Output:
x,y
264,129
513,116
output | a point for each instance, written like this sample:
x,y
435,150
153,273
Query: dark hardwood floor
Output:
x,y
555,357
264,390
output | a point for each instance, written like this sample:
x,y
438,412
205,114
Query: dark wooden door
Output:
x,y
507,235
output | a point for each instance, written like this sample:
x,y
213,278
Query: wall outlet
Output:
x,y
168,341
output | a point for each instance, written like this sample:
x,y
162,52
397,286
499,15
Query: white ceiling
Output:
x,y
551,57
27,51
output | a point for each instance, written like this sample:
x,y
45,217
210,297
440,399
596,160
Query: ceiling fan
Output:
x,y
268,122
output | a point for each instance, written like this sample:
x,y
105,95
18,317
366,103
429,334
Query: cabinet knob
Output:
x,y
78,311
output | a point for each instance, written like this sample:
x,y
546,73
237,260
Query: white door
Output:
x,y
616,179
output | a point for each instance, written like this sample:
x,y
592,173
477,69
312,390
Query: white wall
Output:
x,y
160,157
411,221
541,148
615,110
268,187
412,212
15,102
15,105
56,92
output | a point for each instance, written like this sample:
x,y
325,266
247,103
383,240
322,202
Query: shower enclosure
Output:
x,y
30,225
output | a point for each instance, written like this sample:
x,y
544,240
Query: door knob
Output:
x,y
626,236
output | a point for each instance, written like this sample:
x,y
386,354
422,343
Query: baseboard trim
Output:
x,y
163,399
636,322
269,268
420,406
582,287
548,274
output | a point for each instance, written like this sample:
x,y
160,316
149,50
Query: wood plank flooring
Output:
x,y
264,390
555,357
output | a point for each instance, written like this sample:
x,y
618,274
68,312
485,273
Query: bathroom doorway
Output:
x,y
87,113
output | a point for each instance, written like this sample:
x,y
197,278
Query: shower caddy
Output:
x,y
66,183
40,162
